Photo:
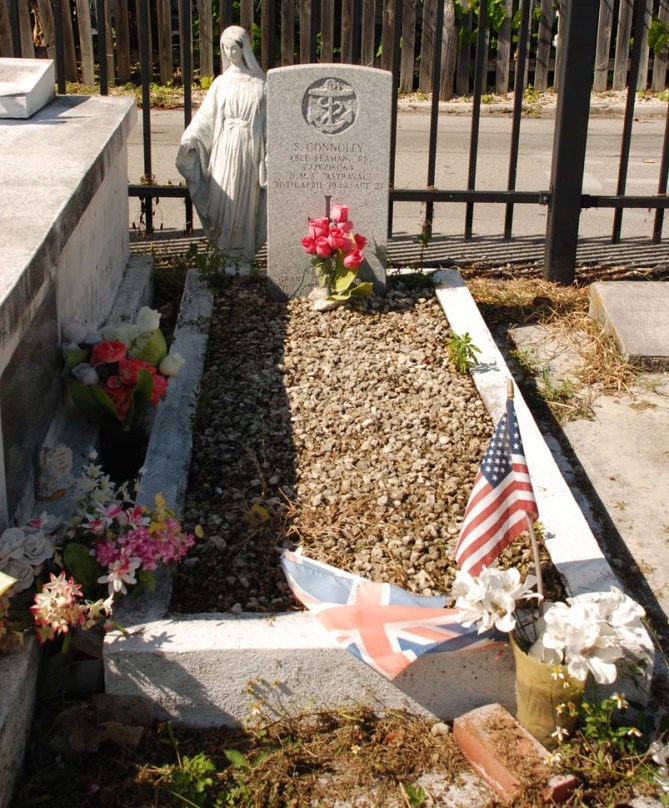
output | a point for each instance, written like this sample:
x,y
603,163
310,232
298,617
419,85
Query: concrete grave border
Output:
x,y
197,668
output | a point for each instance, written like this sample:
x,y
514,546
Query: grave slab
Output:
x,y
26,85
328,134
636,315
196,667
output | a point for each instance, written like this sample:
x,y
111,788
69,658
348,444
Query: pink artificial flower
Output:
x,y
353,259
339,213
136,517
360,241
319,227
336,238
96,526
106,552
323,248
120,573
308,245
345,227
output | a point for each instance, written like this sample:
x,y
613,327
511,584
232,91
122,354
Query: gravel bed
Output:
x,y
347,432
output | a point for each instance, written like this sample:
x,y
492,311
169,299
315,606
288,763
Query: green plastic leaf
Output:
x,y
236,759
92,401
151,349
141,395
82,566
75,357
344,280
362,289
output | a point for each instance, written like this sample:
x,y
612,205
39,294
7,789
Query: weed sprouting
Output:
x,y
462,351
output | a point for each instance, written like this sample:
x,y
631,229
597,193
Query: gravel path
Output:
x,y
347,432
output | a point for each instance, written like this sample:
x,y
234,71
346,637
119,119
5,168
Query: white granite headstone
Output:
x,y
26,85
328,134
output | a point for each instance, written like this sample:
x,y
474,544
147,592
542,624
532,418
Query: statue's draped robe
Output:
x,y
222,158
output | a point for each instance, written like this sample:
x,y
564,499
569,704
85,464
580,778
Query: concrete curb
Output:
x,y
198,667
599,108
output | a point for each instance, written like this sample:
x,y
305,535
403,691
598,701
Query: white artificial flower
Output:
x,y
37,548
127,334
85,374
109,333
148,320
490,599
20,569
171,364
74,332
11,545
66,347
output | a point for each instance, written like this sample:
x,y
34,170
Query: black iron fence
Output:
x,y
580,28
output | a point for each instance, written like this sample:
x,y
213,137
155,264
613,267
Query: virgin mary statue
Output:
x,y
222,152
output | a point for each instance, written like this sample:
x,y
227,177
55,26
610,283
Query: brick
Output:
x,y
495,743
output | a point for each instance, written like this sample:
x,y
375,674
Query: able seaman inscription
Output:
x,y
328,166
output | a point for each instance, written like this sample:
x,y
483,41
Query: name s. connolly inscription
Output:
x,y
328,166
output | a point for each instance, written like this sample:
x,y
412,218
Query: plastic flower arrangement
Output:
x,y
59,576
589,634
336,251
116,374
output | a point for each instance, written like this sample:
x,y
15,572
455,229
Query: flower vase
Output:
x,y
540,688
122,451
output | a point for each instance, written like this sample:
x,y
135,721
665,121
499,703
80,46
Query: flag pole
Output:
x,y
530,526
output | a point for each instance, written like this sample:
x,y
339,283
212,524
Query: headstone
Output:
x,y
328,134
26,85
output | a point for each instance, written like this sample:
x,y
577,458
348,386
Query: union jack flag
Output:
x,y
381,624
501,501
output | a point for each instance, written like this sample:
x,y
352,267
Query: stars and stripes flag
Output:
x,y
501,501
381,624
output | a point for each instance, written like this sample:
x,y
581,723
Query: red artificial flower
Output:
x,y
360,241
336,238
115,382
319,227
159,389
339,213
309,245
107,352
353,259
121,398
129,368
323,248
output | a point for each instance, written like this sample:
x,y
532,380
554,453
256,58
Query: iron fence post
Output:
x,y
579,38
102,45
146,69
186,35
60,49
15,27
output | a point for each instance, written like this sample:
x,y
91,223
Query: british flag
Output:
x,y
381,624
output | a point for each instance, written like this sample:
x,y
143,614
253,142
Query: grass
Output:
x,y
563,312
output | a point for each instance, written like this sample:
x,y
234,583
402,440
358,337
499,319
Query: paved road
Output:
x,y
452,165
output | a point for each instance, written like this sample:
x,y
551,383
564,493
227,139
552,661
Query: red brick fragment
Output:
x,y
492,740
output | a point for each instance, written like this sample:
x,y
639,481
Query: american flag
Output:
x,y
501,501
381,624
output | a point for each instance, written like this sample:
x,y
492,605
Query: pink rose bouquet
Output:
x,y
336,252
